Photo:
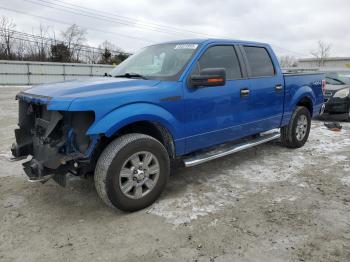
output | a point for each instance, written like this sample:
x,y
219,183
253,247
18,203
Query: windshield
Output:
x,y
163,62
338,78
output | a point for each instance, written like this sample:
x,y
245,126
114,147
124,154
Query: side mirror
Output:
x,y
209,77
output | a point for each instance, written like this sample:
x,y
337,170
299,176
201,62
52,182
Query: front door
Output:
x,y
211,112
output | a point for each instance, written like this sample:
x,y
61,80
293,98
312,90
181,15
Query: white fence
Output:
x,y
31,73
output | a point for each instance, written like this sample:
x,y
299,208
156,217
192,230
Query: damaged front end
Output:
x,y
56,140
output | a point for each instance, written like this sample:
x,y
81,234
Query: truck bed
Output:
x,y
303,83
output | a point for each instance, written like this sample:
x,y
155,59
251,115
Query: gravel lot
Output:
x,y
265,204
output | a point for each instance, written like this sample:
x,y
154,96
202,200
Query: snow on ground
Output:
x,y
345,180
251,172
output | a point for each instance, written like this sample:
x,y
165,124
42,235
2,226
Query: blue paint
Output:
x,y
202,117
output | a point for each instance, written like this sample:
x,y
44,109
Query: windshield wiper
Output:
x,y
131,75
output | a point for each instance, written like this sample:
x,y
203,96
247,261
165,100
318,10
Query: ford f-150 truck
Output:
x,y
193,100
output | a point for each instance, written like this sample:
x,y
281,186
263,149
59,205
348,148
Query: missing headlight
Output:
x,y
80,123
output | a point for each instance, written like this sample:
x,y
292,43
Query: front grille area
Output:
x,y
37,121
40,133
55,139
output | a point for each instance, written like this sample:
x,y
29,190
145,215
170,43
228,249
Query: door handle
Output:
x,y
245,92
278,88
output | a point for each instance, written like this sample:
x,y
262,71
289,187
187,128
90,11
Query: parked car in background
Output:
x,y
176,100
337,94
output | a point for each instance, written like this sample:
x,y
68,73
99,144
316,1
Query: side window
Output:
x,y
259,61
221,57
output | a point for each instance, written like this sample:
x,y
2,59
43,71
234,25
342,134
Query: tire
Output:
x,y
121,154
290,134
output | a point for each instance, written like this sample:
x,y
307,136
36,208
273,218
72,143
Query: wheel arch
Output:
x,y
153,129
304,96
306,102
143,118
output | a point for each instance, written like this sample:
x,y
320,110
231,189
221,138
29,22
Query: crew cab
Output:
x,y
190,100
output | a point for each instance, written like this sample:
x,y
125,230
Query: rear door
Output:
x,y
263,106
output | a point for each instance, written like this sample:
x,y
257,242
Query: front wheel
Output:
x,y
132,172
296,133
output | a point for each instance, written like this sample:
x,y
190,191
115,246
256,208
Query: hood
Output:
x,y
69,90
59,96
335,87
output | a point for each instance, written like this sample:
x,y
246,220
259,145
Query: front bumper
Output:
x,y
335,105
36,172
41,134
56,140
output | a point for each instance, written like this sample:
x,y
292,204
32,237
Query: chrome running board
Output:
x,y
221,151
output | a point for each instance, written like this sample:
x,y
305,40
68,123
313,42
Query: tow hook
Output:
x,y
14,159
34,171
42,179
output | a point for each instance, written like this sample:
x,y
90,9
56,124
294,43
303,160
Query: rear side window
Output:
x,y
259,61
221,57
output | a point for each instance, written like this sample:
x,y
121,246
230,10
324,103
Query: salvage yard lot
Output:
x,y
268,203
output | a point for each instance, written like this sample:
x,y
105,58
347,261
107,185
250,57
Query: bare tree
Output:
x,y
74,37
43,42
288,61
42,45
21,48
93,56
6,36
39,44
322,52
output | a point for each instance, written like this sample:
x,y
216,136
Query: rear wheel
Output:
x,y
296,133
132,172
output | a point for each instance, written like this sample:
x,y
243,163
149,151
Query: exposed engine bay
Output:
x,y
56,140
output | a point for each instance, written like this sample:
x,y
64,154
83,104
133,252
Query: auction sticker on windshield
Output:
x,y
186,46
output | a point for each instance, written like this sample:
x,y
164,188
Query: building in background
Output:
x,y
329,62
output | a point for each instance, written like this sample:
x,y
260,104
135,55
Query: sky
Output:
x,y
291,27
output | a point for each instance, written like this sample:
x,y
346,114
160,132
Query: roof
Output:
x,y
211,40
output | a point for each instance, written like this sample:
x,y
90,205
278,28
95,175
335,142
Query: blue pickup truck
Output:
x,y
193,100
